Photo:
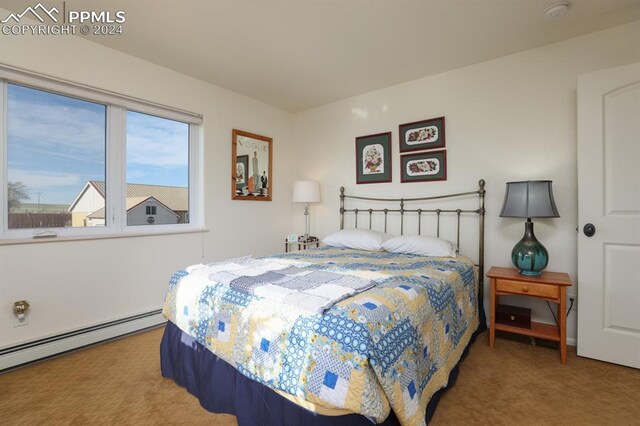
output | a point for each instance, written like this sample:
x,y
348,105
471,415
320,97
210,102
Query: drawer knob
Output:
x,y
525,289
513,318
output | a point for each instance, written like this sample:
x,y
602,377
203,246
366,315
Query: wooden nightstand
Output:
x,y
302,245
551,286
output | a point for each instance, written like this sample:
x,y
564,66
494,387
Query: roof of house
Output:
x,y
135,201
98,214
132,202
174,197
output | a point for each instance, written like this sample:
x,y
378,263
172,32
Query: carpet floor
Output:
x,y
516,384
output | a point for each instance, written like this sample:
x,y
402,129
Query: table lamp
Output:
x,y
529,199
306,191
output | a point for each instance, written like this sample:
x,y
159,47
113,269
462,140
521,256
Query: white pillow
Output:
x,y
358,239
420,245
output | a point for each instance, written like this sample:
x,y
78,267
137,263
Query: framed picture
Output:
x,y
373,158
424,166
242,168
251,166
421,135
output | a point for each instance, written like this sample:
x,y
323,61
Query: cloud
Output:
x,y
155,141
36,180
45,124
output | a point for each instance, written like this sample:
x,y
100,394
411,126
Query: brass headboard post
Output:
x,y
481,211
401,216
342,207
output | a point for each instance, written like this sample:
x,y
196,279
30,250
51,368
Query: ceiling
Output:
x,y
298,54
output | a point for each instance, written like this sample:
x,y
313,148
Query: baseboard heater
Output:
x,y
59,344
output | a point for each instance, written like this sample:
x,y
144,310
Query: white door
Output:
x,y
609,199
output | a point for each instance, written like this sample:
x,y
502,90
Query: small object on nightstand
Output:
x,y
301,243
549,286
513,315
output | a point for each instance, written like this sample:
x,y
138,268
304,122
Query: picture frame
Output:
x,y
373,158
424,166
422,135
258,149
242,168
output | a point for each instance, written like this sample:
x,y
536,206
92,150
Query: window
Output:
x,y
158,167
55,145
81,161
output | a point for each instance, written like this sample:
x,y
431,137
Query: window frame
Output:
x,y
115,160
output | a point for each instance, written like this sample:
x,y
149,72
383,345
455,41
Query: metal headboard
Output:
x,y
480,193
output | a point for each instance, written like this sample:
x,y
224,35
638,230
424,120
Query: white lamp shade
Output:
x,y
306,191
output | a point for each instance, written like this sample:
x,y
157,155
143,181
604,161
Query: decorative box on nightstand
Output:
x,y
514,316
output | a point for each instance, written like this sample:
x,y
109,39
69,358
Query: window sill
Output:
x,y
7,242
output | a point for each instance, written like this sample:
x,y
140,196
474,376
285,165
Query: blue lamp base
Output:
x,y
529,255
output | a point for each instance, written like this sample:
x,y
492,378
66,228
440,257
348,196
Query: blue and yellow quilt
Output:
x,y
390,347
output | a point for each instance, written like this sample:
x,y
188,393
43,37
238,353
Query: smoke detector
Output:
x,y
556,10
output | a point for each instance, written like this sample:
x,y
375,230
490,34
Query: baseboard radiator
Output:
x,y
40,349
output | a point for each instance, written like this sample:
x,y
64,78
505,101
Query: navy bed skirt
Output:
x,y
222,389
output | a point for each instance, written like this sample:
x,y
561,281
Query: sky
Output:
x,y
57,143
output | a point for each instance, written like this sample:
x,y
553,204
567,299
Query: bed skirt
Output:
x,y
220,388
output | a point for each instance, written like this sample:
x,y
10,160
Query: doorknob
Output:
x,y
589,229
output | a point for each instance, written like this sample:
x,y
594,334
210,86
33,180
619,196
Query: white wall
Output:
x,y
512,118
75,284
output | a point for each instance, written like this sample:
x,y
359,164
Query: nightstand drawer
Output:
x,y
531,289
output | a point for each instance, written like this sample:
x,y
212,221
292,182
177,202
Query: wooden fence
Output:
x,y
39,220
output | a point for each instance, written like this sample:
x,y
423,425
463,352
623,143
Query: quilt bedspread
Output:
x,y
392,346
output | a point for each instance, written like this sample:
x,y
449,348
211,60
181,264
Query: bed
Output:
x,y
381,356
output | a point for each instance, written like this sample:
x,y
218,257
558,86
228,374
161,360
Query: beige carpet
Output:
x,y
120,383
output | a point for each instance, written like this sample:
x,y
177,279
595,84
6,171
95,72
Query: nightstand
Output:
x,y
550,286
302,245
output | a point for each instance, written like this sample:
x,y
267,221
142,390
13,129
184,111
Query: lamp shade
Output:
x,y
531,198
306,191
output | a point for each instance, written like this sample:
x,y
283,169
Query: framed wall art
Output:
x,y
373,158
251,166
424,166
422,135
